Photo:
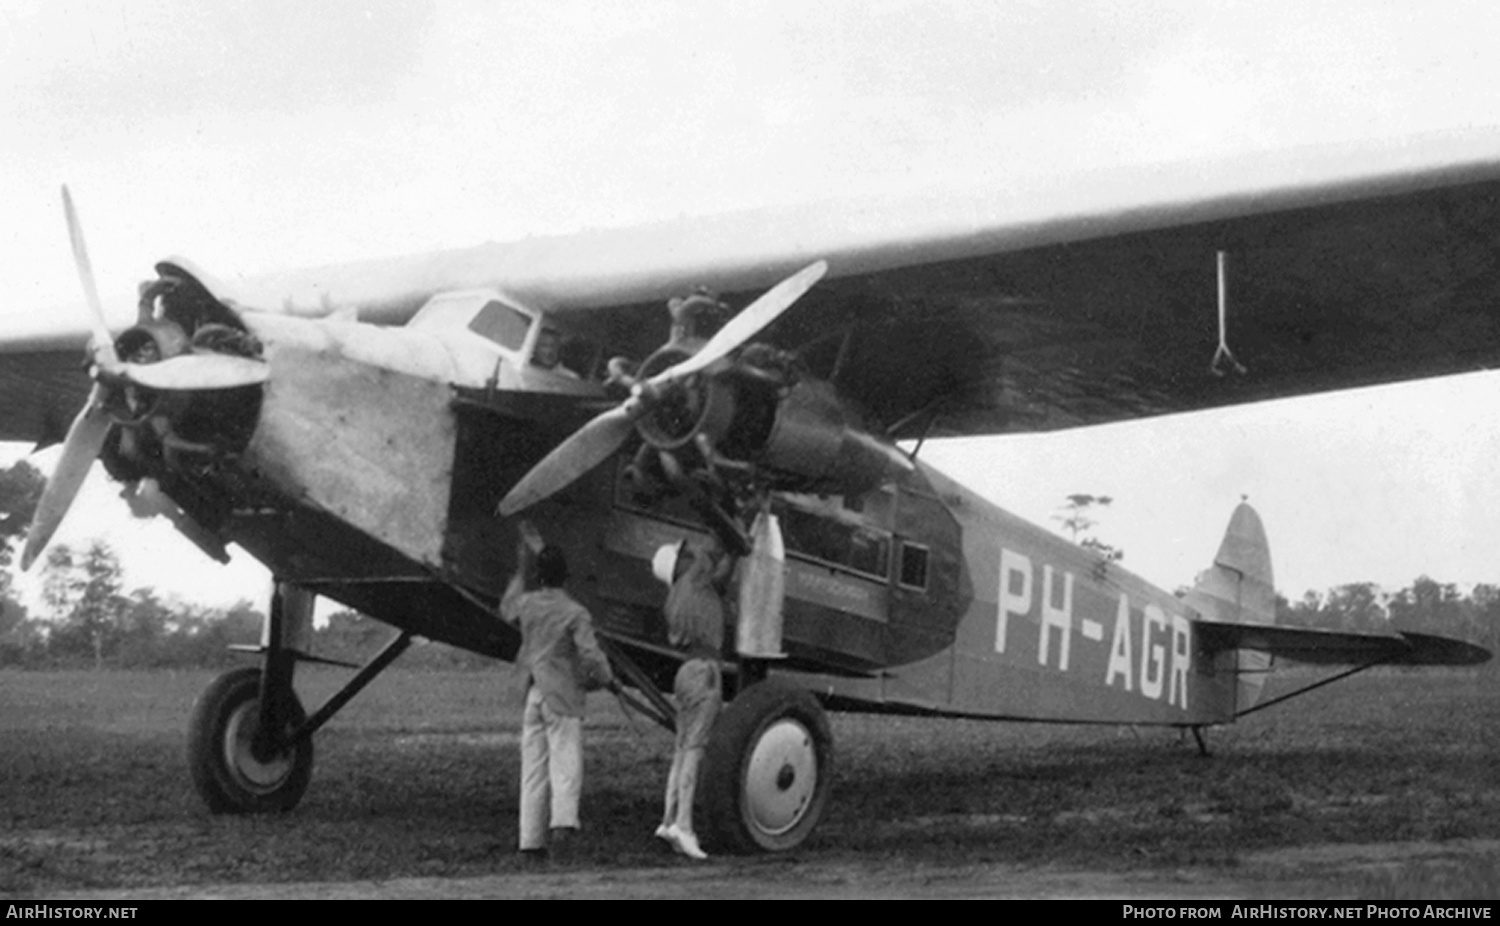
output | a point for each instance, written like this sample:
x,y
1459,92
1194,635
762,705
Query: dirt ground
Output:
x,y
1386,870
1383,791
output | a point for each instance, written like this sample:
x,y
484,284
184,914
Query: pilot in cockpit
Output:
x,y
548,353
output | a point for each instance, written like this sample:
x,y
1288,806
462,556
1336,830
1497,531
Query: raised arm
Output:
x,y
527,547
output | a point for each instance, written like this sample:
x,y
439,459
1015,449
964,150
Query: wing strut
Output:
x,y
927,414
1318,684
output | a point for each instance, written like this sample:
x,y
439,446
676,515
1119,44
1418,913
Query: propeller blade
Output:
x,y
85,439
584,449
748,323
197,371
104,342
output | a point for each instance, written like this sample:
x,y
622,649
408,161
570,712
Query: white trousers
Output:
x,y
551,770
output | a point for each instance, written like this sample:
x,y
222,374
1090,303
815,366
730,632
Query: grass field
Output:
x,y
416,777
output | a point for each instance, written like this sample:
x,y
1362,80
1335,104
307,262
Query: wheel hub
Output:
x,y
781,777
239,752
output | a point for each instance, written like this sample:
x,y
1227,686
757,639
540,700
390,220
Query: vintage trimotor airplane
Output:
x,y
374,433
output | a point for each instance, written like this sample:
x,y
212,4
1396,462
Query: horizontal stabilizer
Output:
x,y
1332,647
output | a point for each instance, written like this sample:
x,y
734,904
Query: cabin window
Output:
x,y
502,324
913,566
869,552
849,545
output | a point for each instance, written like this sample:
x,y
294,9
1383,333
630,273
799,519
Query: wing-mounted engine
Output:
x,y
732,426
763,422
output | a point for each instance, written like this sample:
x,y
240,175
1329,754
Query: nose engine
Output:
x,y
172,429
173,396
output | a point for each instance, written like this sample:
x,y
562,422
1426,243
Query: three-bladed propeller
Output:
x,y
598,440
89,431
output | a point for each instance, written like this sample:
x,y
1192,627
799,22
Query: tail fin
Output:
x,y
1239,588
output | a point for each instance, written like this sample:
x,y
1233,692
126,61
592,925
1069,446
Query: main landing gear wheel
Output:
x,y
767,769
226,772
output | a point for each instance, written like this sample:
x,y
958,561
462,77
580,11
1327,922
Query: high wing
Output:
x,y
42,386
1074,301
1071,301
1330,647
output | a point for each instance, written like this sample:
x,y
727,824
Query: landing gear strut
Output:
x,y
244,748
1202,743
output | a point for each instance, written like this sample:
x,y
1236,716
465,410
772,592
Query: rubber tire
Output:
x,y
798,727
217,750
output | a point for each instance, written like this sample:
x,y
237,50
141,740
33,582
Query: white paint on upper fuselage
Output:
x,y
357,419
451,356
439,346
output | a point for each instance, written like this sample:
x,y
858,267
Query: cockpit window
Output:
x,y
502,324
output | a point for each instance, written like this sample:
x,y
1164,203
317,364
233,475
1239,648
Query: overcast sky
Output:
x,y
253,136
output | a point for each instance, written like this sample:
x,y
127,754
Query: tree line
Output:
x,y
1425,606
91,620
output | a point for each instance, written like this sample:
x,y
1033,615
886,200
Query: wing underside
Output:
x,y
41,390
1317,299
1071,304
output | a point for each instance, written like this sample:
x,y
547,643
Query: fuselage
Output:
x,y
1050,631
379,454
